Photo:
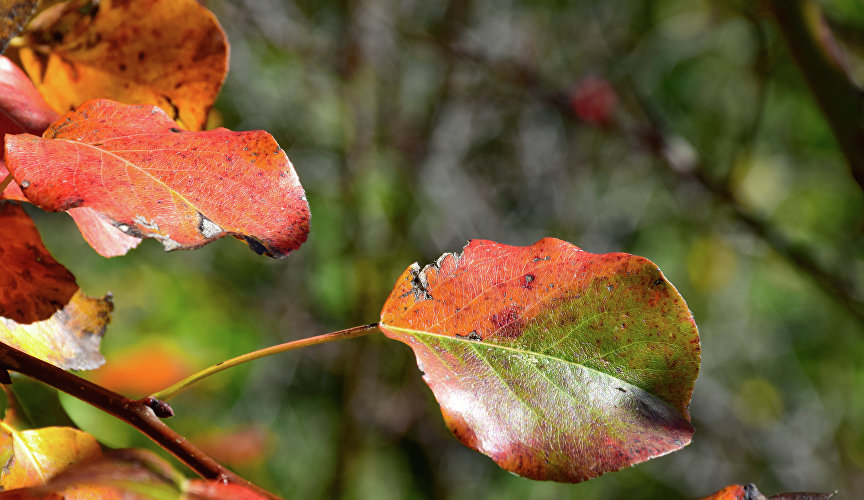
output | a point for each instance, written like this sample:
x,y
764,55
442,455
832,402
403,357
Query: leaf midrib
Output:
x,y
16,436
466,341
136,167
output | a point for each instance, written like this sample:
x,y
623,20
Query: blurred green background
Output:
x,y
416,125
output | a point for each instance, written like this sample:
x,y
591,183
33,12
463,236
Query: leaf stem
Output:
x,y
348,333
136,413
5,182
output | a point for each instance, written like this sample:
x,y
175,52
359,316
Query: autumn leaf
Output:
x,y
40,454
170,53
14,15
69,339
100,234
133,166
129,474
42,311
33,286
557,363
116,474
22,109
750,492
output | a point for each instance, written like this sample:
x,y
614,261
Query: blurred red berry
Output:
x,y
594,100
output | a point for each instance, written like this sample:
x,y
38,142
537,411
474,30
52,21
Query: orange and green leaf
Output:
x,y
557,363
135,167
170,53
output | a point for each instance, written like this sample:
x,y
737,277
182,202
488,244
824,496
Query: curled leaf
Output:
x,y
557,363
171,53
135,167
22,107
98,231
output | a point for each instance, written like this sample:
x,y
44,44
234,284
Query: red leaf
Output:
x,y
557,363
22,109
33,286
152,180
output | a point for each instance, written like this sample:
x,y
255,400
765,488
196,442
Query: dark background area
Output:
x,y
415,126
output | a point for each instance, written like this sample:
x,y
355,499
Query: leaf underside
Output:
x,y
557,363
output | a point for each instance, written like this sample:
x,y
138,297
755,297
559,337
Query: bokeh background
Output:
x,y
678,130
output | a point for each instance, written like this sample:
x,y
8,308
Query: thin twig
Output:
x,y
5,182
348,333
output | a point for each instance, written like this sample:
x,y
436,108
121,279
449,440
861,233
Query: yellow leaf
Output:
x,y
40,454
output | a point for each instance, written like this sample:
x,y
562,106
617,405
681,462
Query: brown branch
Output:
x,y
137,413
818,56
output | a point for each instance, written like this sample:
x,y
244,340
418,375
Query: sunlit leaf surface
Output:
x,y
135,167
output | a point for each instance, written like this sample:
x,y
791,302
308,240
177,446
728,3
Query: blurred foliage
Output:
x,y
415,126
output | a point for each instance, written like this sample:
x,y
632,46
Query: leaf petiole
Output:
x,y
348,333
5,182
